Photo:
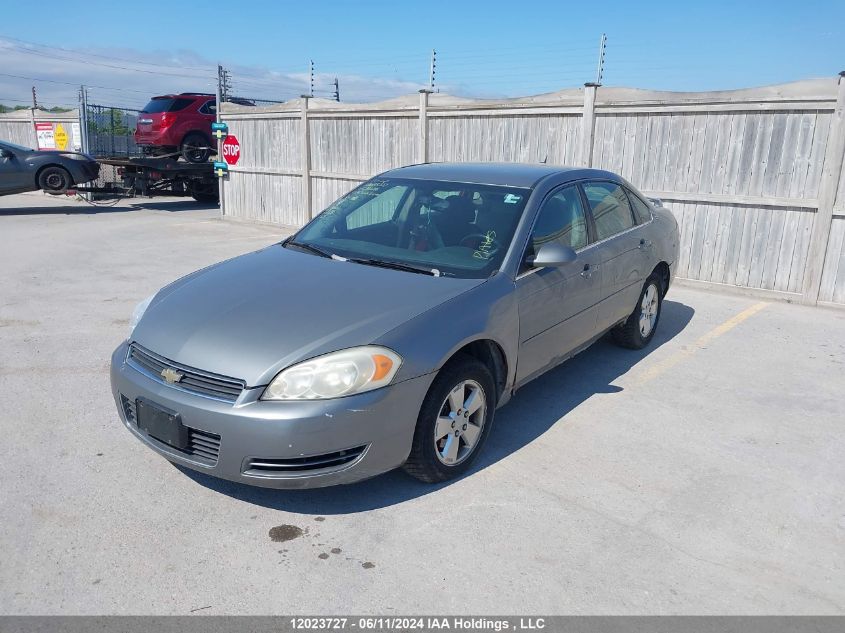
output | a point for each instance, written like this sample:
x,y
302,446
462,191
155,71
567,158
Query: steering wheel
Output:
x,y
485,244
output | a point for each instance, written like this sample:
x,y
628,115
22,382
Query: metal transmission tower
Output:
x,y
311,77
336,94
224,82
433,70
602,46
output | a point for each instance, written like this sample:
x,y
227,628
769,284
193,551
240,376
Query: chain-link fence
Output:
x,y
111,134
111,131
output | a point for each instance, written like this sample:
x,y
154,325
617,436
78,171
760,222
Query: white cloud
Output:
x,y
127,77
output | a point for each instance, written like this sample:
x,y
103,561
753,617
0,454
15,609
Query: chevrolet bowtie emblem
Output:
x,y
171,376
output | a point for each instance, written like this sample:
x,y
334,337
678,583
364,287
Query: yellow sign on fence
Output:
x,y
61,137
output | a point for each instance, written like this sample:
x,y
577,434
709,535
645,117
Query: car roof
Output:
x,y
184,94
505,174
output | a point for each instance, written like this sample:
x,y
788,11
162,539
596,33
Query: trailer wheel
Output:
x,y
195,148
205,197
204,192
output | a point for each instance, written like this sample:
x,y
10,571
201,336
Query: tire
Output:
x,y
204,192
430,455
54,180
205,197
639,328
195,148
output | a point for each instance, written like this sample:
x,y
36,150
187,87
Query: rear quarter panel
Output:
x,y
666,237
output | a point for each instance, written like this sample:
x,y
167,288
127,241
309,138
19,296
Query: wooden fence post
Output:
x,y
305,139
423,140
588,124
34,130
831,173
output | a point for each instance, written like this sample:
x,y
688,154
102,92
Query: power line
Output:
x,y
71,83
110,57
26,51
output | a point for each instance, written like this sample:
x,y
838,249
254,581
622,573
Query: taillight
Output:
x,y
165,120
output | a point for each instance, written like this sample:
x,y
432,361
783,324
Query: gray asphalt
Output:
x,y
702,475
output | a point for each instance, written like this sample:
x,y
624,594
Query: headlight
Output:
x,y
337,374
138,312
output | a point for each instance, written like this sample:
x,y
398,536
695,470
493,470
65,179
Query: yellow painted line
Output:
x,y
702,342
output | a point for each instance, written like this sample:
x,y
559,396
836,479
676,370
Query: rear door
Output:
x,y
620,243
557,306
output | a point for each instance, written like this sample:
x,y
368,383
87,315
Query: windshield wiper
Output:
x,y
395,266
307,247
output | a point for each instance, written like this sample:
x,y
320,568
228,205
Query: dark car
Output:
x,y
179,125
25,169
388,330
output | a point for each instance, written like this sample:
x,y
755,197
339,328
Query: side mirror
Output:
x,y
552,255
4,153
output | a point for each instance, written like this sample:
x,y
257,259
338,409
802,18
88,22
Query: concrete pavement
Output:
x,y
702,475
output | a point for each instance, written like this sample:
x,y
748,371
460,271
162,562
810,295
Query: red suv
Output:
x,y
178,124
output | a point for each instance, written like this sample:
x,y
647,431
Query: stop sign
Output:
x,y
231,149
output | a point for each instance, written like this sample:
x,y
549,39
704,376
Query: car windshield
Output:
x,y
453,228
14,146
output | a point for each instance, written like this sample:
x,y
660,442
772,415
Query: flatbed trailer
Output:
x,y
159,177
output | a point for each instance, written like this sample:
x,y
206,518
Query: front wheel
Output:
x,y
639,328
454,422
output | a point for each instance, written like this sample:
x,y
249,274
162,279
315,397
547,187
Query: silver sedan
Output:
x,y
388,330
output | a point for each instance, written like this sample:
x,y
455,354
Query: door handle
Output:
x,y
644,243
587,272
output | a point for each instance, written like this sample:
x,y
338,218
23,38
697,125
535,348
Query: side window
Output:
x,y
378,209
611,210
179,104
209,107
561,219
641,210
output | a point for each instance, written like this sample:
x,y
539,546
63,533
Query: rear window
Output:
x,y
166,105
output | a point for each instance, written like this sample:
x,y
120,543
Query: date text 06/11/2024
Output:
x,y
391,623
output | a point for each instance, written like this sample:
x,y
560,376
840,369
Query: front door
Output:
x,y
13,174
557,305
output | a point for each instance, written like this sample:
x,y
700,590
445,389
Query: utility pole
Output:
x,y
83,127
311,77
602,46
336,95
433,70
223,82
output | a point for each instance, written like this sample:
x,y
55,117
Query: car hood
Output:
x,y
251,316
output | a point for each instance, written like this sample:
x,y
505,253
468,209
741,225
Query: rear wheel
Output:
x,y
54,180
195,148
639,328
454,421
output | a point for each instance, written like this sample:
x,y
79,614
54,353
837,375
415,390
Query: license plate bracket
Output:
x,y
162,424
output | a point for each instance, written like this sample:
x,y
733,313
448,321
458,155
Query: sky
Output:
x,y
125,52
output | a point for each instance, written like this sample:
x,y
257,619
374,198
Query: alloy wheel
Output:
x,y
648,310
460,422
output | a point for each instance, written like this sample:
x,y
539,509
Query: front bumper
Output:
x,y
304,444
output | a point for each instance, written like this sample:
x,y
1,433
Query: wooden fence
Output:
x,y
754,176
19,127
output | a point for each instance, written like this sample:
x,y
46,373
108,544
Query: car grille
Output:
x,y
264,467
203,446
193,380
